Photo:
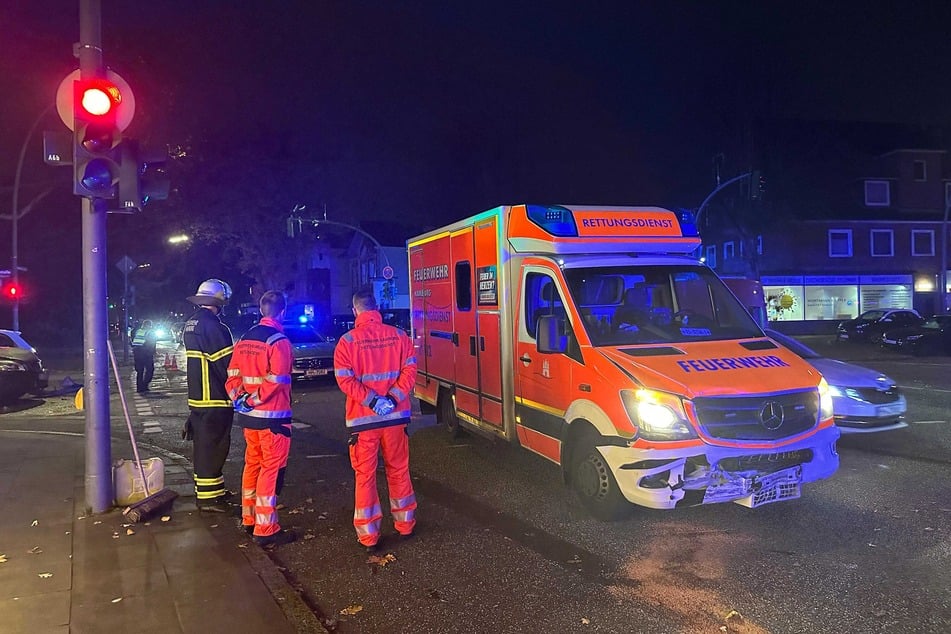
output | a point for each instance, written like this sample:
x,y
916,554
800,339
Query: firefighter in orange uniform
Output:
x,y
375,366
259,384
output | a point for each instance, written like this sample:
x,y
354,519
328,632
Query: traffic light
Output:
x,y
757,185
142,176
11,291
97,138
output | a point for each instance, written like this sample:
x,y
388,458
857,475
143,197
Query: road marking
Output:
x,y
928,422
152,430
151,423
299,425
928,389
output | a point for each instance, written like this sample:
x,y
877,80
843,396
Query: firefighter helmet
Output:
x,y
211,292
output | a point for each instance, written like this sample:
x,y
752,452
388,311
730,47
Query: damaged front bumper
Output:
x,y
664,479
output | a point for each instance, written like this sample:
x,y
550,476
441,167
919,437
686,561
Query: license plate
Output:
x,y
316,372
890,410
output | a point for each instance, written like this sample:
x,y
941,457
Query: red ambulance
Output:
x,y
590,336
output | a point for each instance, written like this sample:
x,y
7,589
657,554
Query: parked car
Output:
x,y
932,336
870,325
313,353
863,400
21,370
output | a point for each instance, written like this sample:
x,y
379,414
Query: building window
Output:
x,y
840,243
728,251
877,194
711,258
920,169
922,242
883,243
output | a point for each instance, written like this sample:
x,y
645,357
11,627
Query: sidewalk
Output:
x,y
63,571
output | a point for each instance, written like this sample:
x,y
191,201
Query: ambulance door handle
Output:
x,y
472,348
525,358
455,338
482,344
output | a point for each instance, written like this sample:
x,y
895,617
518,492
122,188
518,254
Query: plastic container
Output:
x,y
128,480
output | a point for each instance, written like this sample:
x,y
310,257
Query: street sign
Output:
x,y
126,264
6,273
387,272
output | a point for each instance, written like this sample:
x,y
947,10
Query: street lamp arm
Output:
x,y
715,191
316,222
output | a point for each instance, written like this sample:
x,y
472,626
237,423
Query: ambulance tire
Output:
x,y
594,484
447,415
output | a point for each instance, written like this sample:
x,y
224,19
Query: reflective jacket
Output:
x,y
372,360
208,348
143,341
261,366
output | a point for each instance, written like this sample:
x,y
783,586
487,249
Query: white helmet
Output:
x,y
211,292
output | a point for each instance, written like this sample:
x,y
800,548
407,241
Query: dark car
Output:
x,y
933,336
21,370
313,353
870,325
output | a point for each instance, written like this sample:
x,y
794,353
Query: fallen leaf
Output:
x,y
117,599
36,550
166,518
309,500
129,531
45,575
242,545
928,528
351,610
574,560
382,561
733,617
280,507
3,559
115,536
322,516
295,512
871,545
213,526
35,523
309,536
585,622
96,522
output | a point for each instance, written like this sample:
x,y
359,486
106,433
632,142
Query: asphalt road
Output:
x,y
503,546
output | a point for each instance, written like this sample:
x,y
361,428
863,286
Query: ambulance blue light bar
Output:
x,y
688,223
556,220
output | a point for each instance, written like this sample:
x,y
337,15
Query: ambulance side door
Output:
x,y
543,380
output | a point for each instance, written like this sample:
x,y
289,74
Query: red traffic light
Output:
x,y
11,291
97,98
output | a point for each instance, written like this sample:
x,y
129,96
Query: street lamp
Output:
x,y
178,239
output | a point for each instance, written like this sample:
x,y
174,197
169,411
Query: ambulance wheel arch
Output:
x,y
589,474
446,412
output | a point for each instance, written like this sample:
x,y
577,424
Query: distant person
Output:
x,y
259,384
208,348
143,354
375,366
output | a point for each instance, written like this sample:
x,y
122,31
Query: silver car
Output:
x,y
863,400
313,353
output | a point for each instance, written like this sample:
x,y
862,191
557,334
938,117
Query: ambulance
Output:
x,y
592,337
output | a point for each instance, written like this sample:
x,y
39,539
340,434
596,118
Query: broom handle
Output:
x,y
128,421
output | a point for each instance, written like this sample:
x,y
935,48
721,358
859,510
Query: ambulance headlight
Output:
x,y
657,415
825,400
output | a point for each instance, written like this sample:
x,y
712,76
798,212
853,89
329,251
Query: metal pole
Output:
x,y
125,315
714,192
98,481
14,247
943,276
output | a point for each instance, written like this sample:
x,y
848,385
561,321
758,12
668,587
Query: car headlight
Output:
x,y
657,415
913,337
825,399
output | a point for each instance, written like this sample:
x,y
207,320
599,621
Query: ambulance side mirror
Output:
x,y
552,334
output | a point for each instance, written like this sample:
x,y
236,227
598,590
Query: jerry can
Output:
x,y
128,480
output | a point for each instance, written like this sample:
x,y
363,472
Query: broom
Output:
x,y
152,502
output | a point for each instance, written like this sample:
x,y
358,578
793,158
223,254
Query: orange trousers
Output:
x,y
367,514
264,457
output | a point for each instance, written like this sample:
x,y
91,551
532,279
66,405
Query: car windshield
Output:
x,y
872,315
624,305
800,349
303,334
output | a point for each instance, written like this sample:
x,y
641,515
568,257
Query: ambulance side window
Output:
x,y
463,285
541,298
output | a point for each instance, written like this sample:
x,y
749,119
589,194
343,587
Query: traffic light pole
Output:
x,y
98,480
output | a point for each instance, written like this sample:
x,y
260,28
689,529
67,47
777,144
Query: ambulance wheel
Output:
x,y
447,415
595,485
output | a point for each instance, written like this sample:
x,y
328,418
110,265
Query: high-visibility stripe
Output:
x,y
369,399
265,519
247,494
221,354
404,516
398,393
257,413
367,512
373,528
361,420
209,403
209,481
380,376
233,371
275,338
253,380
347,337
399,503
343,372
279,378
411,361
266,500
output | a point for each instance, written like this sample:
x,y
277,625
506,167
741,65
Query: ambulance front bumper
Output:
x,y
660,479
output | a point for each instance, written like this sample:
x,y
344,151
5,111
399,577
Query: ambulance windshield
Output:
x,y
630,305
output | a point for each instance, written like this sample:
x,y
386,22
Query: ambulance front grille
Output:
x,y
762,417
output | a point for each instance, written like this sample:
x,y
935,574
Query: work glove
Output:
x,y
241,404
382,405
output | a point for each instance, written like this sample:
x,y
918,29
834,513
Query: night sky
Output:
x,y
429,111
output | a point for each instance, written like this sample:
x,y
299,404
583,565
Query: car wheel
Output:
x,y
447,414
595,485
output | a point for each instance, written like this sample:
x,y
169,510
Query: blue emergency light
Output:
x,y
556,220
